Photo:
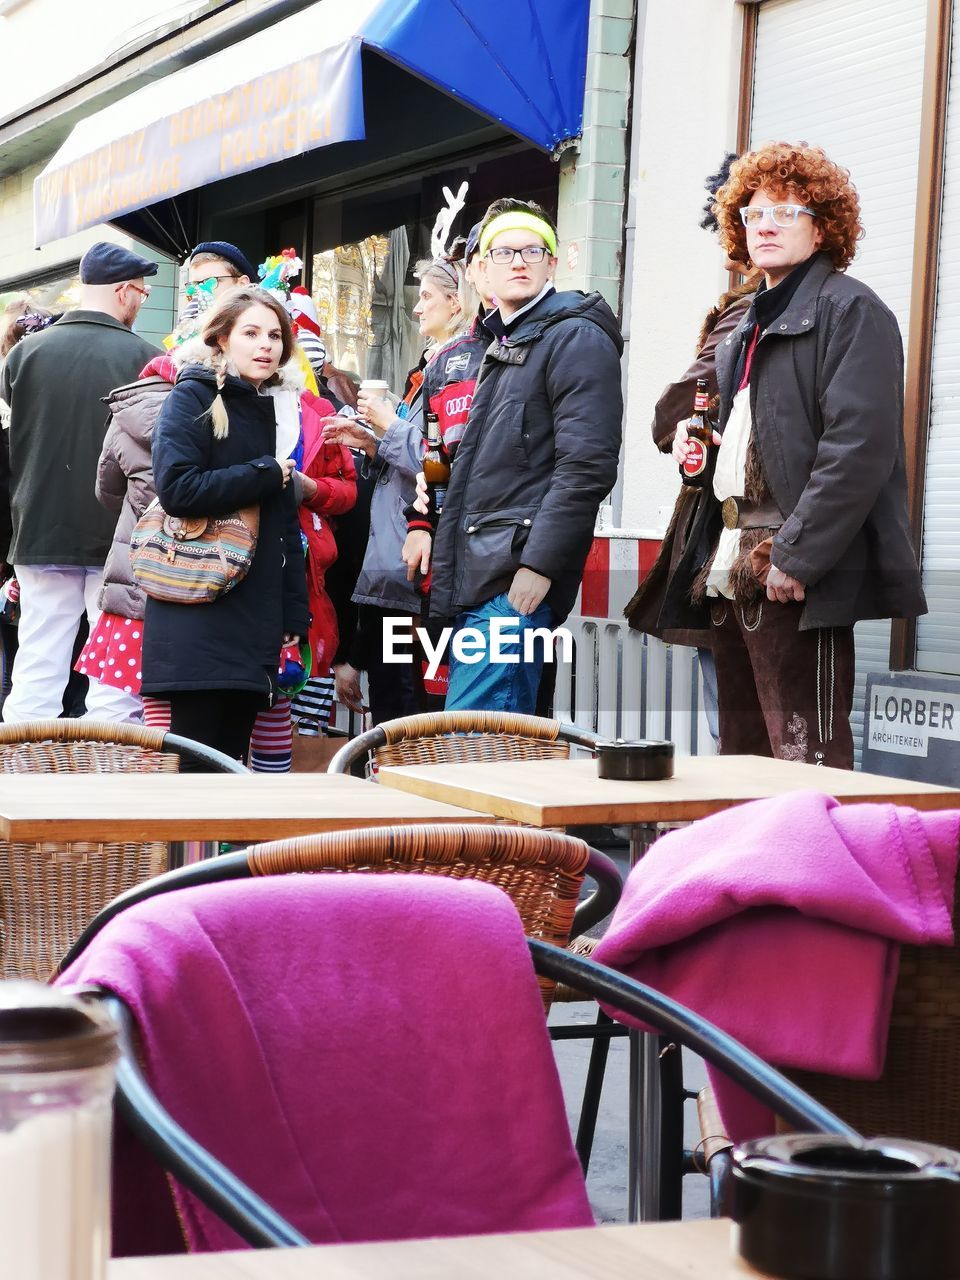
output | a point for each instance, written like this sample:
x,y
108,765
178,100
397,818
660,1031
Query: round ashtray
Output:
x,y
823,1207
644,761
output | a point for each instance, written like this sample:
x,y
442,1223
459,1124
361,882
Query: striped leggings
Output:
x,y
271,743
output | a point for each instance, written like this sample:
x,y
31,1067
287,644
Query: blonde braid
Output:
x,y
218,410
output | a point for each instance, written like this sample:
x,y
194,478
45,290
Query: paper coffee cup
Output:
x,y
375,386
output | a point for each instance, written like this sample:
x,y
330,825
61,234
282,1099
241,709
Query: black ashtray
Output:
x,y
644,761
820,1207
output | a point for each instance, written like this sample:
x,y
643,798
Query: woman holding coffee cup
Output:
x,y
392,441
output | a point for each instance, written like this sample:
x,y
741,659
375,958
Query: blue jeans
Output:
x,y
487,685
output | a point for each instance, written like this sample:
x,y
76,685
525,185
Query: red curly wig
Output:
x,y
805,175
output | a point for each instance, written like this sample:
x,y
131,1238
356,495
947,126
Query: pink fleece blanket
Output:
x,y
781,922
368,1052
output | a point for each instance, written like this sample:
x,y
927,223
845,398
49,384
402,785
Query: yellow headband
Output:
x,y
517,220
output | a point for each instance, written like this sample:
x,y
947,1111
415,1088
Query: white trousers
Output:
x,y
53,598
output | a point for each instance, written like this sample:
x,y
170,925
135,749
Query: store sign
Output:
x,y
911,727
310,103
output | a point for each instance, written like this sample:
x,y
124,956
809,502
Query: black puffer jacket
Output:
x,y
539,455
234,642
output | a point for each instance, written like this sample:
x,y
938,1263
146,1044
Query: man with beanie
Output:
x,y
217,264
55,383
538,456
220,261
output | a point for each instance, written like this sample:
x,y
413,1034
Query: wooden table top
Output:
x,y
561,793
651,1251
209,806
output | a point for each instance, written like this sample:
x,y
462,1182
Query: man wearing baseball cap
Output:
x,y
55,383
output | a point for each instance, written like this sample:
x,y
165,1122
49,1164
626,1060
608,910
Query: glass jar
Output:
x,y
57,1057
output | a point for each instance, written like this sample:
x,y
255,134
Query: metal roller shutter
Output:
x,y
938,633
847,75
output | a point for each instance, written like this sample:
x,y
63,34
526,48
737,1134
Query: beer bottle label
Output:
x,y
701,402
696,460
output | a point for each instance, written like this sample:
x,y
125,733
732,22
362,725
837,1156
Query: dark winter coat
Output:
x,y
233,642
539,455
125,485
55,383
826,396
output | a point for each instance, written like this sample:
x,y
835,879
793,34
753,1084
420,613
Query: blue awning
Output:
x,y
299,86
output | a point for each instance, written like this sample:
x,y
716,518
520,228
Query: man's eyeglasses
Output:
x,y
211,282
530,254
783,215
145,291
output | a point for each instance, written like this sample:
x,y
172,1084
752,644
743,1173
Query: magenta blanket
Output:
x,y
781,922
368,1052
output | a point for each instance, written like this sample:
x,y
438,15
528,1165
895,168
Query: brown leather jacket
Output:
x,y
643,611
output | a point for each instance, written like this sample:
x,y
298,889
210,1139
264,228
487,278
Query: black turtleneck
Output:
x,y
768,304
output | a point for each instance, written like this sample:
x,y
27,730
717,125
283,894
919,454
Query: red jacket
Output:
x,y
331,466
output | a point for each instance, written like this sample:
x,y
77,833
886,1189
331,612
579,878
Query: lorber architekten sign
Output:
x,y
911,727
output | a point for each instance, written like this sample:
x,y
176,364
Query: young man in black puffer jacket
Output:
x,y
539,454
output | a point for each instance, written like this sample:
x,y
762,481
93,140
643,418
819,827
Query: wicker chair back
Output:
x,y
452,737
918,1095
541,871
50,891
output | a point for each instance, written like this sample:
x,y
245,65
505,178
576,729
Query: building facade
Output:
x,y
875,83
666,89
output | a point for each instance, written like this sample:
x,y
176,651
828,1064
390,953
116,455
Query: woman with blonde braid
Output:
x,y
215,450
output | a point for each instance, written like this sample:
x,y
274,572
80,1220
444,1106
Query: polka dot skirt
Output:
x,y
113,654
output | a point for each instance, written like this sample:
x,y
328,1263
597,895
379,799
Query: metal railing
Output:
x,y
623,684
620,684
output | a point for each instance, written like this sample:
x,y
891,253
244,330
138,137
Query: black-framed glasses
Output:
x,y
215,280
530,254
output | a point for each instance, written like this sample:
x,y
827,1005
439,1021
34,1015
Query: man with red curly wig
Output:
x,y
807,531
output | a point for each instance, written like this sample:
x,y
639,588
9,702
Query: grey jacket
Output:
x,y
55,383
383,578
125,484
826,395
539,454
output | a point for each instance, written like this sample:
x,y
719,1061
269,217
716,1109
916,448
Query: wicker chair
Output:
x,y
454,737
50,891
916,1097
261,1226
451,737
541,871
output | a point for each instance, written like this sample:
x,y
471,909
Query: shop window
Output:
x,y
364,301
58,293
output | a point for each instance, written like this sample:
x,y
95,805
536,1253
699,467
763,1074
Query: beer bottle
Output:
x,y
436,465
695,468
